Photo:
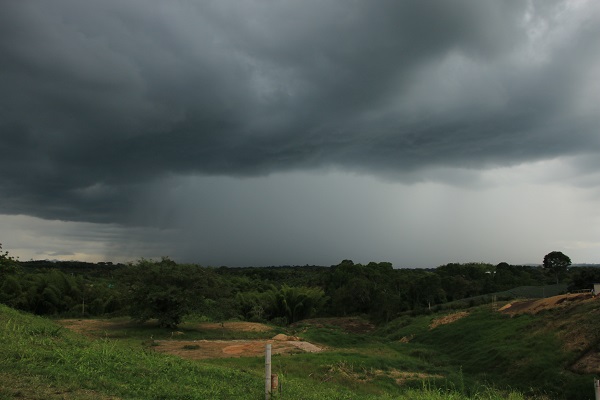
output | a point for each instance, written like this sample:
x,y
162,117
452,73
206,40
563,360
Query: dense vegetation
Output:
x,y
169,291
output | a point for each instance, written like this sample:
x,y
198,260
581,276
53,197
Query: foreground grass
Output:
x,y
41,360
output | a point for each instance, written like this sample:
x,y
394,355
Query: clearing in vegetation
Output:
x,y
198,349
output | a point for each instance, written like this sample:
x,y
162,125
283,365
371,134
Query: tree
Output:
x,y
8,264
296,303
162,290
557,263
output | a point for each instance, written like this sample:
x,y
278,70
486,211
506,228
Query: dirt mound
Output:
x,y
535,306
447,319
203,349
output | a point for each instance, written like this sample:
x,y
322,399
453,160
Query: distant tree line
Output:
x,y
168,292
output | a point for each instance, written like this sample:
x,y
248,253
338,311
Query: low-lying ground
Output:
x,y
177,342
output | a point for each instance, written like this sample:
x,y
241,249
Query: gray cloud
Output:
x,y
100,101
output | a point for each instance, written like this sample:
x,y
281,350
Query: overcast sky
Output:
x,y
274,132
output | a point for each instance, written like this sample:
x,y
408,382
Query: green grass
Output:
x,y
35,349
41,360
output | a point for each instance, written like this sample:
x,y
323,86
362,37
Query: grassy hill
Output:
x,y
479,356
535,353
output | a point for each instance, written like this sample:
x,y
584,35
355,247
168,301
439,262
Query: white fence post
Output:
x,y
597,388
268,372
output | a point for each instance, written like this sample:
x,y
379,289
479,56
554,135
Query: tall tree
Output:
x,y
557,263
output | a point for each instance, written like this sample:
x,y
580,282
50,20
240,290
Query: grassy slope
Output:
x,y
41,360
528,352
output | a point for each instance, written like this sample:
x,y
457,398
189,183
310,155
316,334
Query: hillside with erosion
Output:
x,y
520,349
549,345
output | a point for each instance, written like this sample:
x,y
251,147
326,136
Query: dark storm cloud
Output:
x,y
100,98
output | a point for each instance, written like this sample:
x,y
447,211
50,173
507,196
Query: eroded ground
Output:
x,y
574,331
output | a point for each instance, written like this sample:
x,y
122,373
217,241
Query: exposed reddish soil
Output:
x,y
202,349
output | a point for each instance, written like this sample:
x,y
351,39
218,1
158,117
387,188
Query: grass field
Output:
x,y
480,356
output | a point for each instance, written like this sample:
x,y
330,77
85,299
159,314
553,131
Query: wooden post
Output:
x,y
274,383
268,372
597,388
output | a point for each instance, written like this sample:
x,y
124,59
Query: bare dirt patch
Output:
x,y
203,349
535,306
447,319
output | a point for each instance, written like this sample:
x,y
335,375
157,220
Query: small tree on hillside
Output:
x,y
556,263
